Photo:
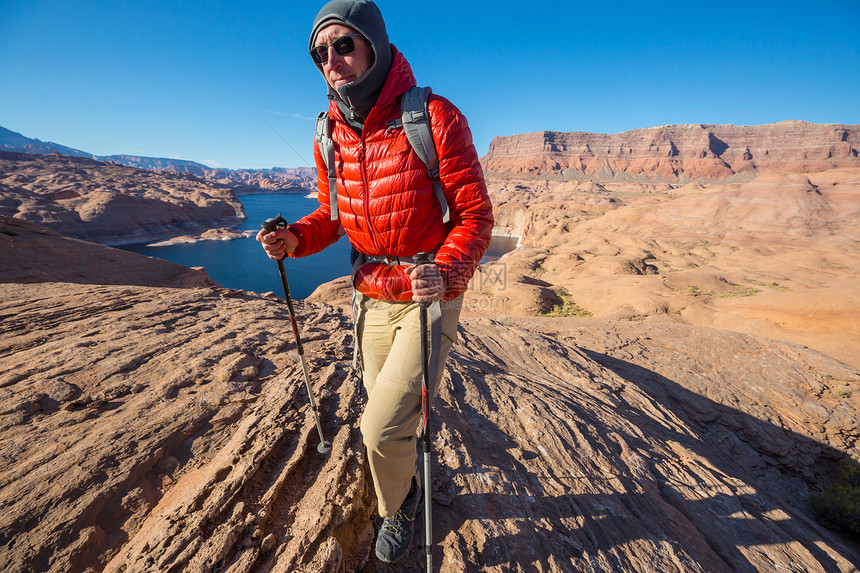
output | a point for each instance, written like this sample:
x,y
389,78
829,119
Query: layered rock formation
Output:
x,y
255,181
677,152
109,203
150,427
778,256
750,228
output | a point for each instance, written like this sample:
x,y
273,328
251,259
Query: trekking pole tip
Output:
x,y
324,447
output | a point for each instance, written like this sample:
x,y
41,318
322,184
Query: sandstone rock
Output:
x,y
60,390
242,181
30,253
561,444
336,292
208,235
677,152
109,203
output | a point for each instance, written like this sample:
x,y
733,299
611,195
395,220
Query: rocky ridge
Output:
x,y
108,203
153,421
677,152
256,181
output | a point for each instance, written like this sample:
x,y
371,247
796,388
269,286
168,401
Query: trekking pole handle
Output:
x,y
424,259
272,224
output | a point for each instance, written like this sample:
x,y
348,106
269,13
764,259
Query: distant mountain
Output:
x,y
14,141
243,181
153,162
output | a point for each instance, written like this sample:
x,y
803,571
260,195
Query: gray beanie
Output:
x,y
365,18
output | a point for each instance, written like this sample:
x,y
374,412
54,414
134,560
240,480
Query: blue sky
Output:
x,y
189,80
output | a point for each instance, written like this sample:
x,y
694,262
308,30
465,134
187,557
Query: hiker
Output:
x,y
375,188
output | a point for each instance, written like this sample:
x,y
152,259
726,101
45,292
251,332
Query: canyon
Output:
x,y
660,378
766,246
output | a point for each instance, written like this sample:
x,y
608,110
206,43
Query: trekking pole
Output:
x,y
426,259
272,225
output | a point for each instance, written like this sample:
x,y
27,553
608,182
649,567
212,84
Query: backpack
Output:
x,y
415,120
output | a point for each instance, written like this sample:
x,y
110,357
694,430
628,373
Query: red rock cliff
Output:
x,y
674,152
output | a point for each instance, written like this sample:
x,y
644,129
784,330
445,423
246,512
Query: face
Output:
x,y
347,68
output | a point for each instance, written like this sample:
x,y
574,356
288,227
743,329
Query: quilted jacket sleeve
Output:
x,y
462,177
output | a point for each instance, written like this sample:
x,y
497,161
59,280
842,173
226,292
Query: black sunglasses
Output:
x,y
343,46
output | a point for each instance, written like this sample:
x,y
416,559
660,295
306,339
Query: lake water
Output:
x,y
242,264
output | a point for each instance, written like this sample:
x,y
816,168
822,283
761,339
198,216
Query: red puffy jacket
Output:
x,y
386,202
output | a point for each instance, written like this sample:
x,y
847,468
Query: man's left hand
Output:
x,y
427,283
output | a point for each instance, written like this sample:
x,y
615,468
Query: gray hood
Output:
x,y
357,98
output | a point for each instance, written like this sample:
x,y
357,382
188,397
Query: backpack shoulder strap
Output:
x,y
415,116
323,137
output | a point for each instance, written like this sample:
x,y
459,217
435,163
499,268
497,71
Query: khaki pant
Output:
x,y
390,343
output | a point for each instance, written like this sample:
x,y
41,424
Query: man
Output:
x,y
387,207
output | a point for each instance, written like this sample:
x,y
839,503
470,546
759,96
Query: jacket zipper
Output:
x,y
366,200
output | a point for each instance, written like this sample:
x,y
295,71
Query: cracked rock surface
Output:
x,y
153,421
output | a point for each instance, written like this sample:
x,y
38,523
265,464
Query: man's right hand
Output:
x,y
278,243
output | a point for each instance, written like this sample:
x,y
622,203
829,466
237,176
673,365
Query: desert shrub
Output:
x,y
838,507
740,291
775,285
567,307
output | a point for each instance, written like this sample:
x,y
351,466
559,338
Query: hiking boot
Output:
x,y
395,535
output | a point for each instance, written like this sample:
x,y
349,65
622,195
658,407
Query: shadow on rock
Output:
x,y
559,459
